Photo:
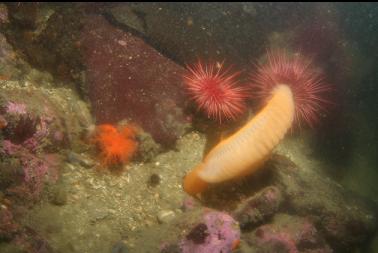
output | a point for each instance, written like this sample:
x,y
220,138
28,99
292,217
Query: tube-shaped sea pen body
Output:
x,y
245,151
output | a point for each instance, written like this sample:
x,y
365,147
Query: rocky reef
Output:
x,y
66,68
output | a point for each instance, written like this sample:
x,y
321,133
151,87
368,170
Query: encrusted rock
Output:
x,y
259,207
41,121
286,234
342,217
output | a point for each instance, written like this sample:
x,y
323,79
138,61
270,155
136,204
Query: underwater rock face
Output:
x,y
218,30
123,76
344,219
7,60
195,30
4,19
128,79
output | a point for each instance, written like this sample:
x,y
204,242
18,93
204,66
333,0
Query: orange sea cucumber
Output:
x,y
248,148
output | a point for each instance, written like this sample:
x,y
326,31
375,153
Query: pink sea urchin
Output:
x,y
215,90
306,83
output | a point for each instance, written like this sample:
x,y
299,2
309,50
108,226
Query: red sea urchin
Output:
x,y
215,90
305,82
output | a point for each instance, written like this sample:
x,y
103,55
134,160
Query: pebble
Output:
x,y
70,166
119,247
80,159
99,215
165,216
58,195
154,180
3,122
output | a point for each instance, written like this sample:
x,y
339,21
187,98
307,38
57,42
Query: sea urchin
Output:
x,y
305,82
215,90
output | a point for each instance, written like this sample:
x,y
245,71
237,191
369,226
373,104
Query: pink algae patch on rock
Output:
x,y
290,234
128,79
216,232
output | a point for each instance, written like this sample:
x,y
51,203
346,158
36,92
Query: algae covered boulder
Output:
x,y
128,79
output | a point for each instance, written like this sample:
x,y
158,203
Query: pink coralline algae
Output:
x,y
37,166
128,79
288,234
15,108
36,170
217,233
277,238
